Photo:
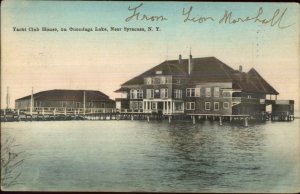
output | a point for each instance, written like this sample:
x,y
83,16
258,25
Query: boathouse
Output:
x,y
66,100
198,86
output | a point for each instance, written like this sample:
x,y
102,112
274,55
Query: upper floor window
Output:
x,y
164,93
148,81
208,92
190,92
177,93
150,93
177,81
226,94
156,80
216,92
136,94
190,106
163,80
159,72
193,92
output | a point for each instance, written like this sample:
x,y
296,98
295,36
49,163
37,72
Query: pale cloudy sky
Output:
x,y
104,60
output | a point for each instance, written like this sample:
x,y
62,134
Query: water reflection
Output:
x,y
157,156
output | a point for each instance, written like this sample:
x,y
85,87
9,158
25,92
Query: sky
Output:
x,y
104,60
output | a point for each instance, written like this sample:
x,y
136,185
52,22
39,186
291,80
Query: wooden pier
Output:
x,y
10,115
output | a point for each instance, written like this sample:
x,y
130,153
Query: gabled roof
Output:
x,y
171,67
68,95
210,69
207,69
260,82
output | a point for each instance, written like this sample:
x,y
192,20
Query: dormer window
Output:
x,y
159,72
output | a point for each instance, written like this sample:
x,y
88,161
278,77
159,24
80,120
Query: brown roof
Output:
x,y
207,69
69,95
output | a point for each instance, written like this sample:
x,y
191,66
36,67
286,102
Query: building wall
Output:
x,y
202,101
24,104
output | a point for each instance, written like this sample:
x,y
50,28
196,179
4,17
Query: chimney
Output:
x,y
180,59
190,64
241,68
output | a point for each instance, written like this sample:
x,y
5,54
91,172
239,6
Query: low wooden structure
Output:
x,y
56,114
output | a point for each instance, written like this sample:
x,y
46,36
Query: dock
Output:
x,y
14,115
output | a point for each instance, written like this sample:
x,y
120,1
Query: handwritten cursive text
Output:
x,y
135,14
200,19
275,20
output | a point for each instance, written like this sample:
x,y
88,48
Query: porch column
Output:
x,y
167,106
173,106
163,106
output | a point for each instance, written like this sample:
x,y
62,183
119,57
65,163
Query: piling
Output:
x,y
246,121
220,121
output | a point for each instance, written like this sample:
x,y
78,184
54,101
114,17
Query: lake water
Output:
x,y
157,156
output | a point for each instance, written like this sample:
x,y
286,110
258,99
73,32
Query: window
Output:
x,y
164,93
190,106
163,80
225,105
153,105
207,92
156,80
216,105
140,105
249,96
77,104
193,92
177,93
136,94
226,94
148,81
207,105
64,104
136,105
197,92
150,93
159,72
216,92
90,104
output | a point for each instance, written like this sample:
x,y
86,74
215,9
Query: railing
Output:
x,y
150,111
69,110
236,99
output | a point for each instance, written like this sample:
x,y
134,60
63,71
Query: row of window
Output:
x,y
195,92
207,106
163,93
157,80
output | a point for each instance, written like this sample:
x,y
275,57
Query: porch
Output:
x,y
165,107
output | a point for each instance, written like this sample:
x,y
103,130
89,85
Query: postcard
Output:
x,y
140,96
